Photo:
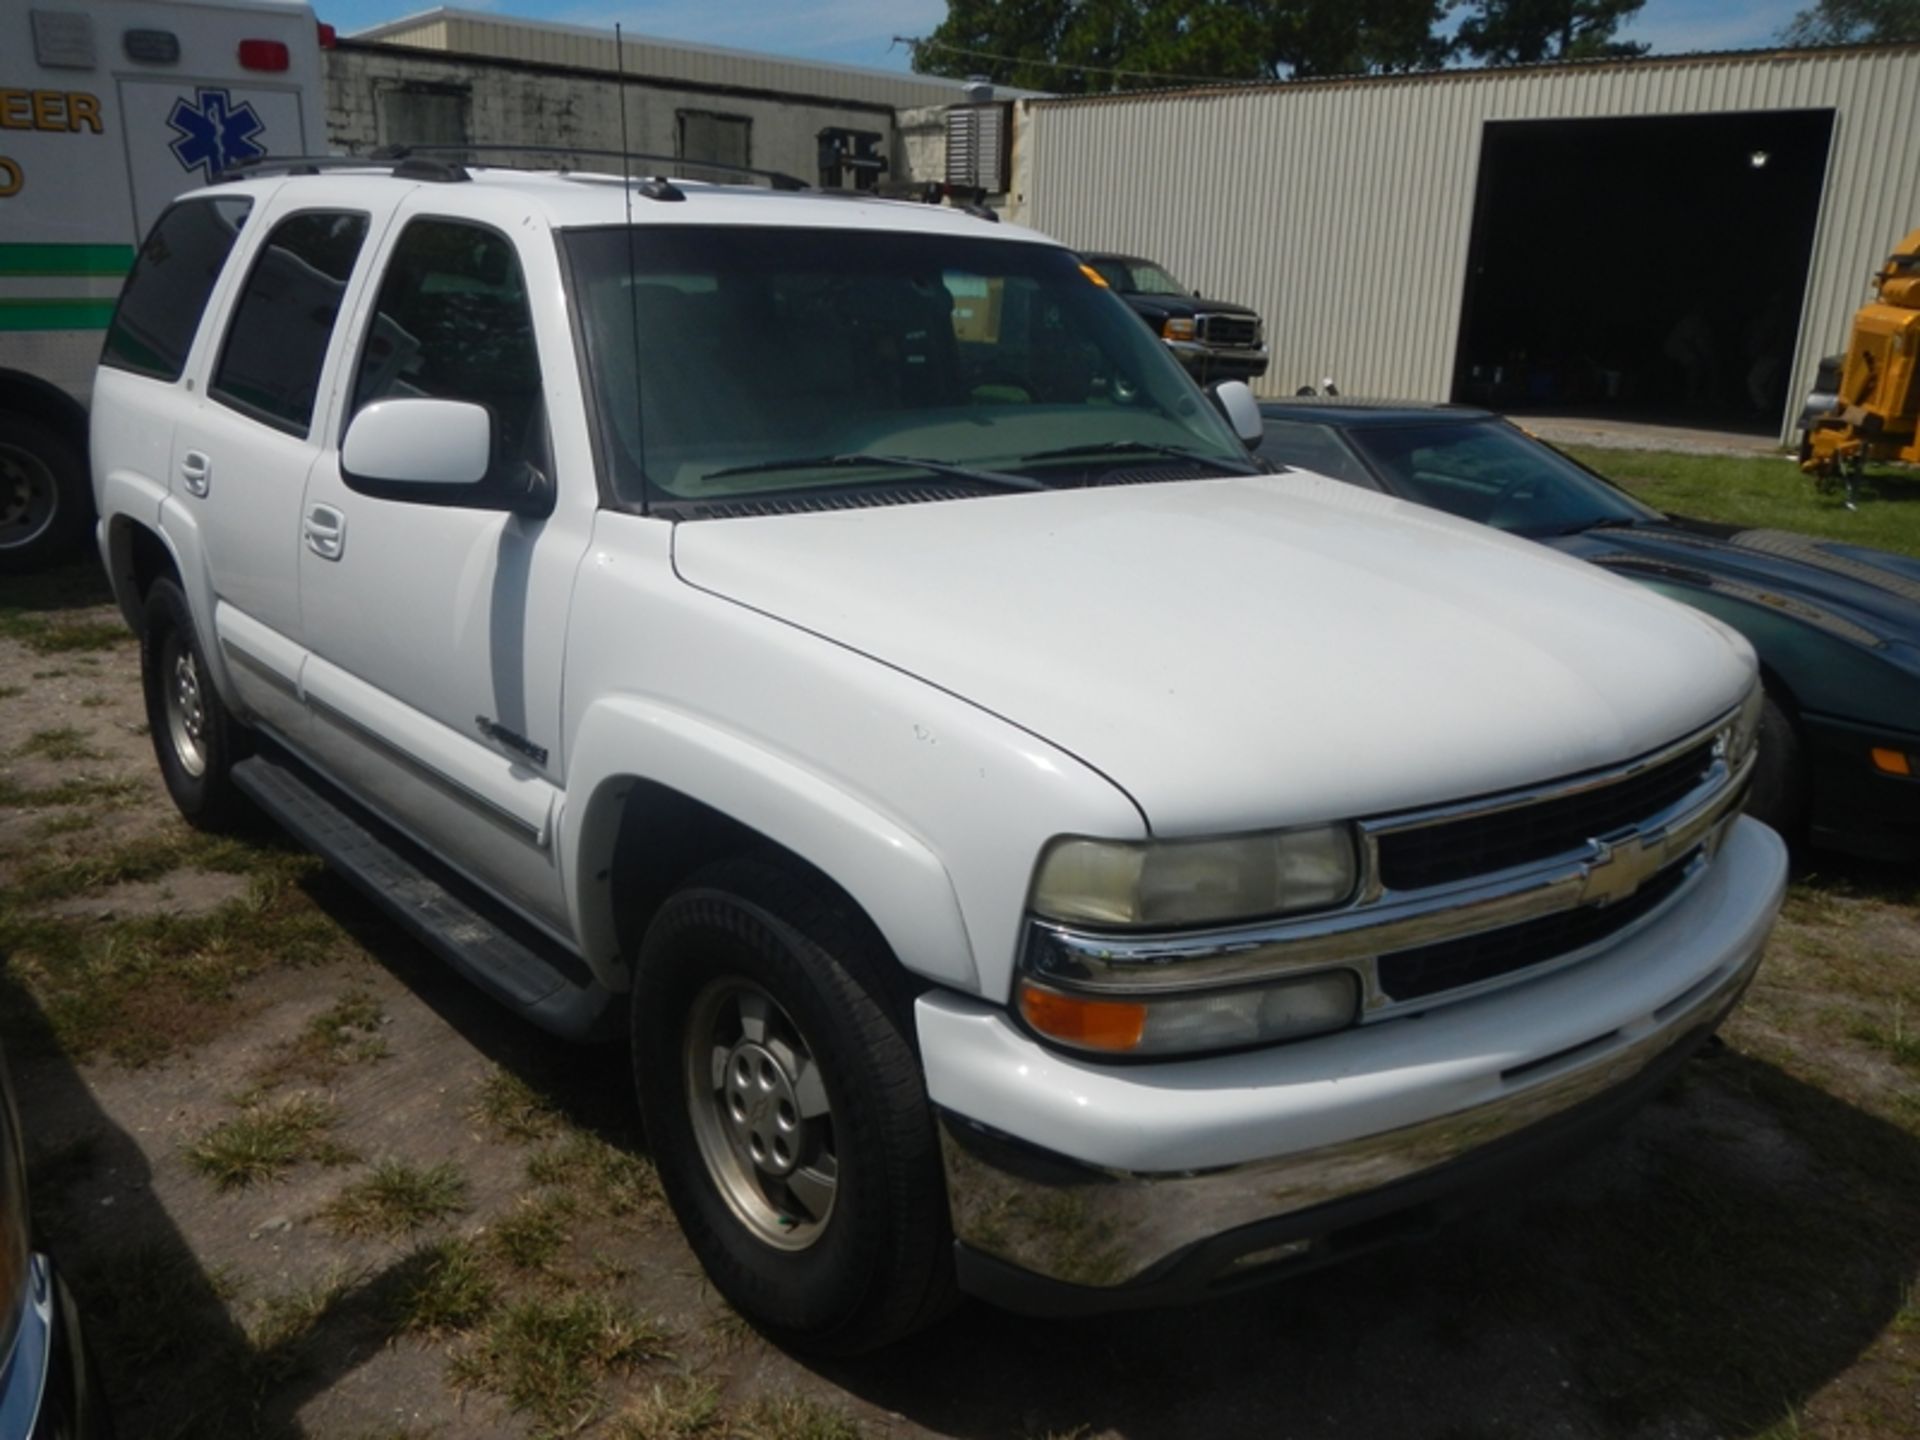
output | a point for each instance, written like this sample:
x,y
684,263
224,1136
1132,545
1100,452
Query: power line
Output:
x,y
919,43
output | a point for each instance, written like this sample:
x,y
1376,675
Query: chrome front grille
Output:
x,y
1481,842
1241,331
1456,899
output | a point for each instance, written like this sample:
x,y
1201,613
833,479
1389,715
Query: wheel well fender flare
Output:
x,y
628,748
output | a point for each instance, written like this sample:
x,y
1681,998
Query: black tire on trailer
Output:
x,y
195,738
787,1112
46,497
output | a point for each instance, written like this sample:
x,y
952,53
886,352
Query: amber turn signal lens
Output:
x,y
1893,762
1113,1025
1095,276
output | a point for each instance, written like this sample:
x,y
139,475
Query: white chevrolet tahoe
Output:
x,y
1032,850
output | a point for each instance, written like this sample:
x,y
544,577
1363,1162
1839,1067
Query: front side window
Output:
x,y
452,323
760,349
270,365
166,293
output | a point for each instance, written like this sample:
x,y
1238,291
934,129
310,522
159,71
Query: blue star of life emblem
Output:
x,y
211,132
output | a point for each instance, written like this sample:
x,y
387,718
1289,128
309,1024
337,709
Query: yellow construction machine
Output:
x,y
1875,412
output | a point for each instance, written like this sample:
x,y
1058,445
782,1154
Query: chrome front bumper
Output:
x,y
1032,1221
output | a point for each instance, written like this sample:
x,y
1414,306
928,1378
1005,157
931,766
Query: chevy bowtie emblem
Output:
x,y
1616,871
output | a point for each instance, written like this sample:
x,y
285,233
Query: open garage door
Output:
x,y
1646,268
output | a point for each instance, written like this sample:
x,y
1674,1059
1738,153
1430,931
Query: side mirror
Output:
x,y
1235,401
436,452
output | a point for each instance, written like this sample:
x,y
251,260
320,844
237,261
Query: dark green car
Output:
x,y
1836,626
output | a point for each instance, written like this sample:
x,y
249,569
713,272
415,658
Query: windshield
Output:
x,y
1150,279
1491,472
760,351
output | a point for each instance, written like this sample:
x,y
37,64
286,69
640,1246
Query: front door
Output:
x,y
436,633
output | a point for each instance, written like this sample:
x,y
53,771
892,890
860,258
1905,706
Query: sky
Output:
x,y
860,32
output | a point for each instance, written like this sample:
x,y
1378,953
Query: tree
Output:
x,y
1527,32
1851,22
1074,46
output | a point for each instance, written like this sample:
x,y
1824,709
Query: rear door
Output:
x,y
248,436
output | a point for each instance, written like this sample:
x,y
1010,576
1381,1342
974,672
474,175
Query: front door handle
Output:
x,y
196,472
325,529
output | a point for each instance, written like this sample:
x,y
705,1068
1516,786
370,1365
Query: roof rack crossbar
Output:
x,y
778,179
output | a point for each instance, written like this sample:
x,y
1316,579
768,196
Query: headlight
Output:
x,y
1744,734
1194,882
1203,1021
1176,330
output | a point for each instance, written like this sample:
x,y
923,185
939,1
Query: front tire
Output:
x,y
195,737
786,1110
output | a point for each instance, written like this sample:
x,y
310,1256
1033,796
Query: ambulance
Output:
x,y
108,110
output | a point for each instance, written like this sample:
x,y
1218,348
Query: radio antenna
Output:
x,y
633,287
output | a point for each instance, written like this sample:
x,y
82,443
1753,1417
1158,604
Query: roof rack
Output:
x,y
778,179
401,165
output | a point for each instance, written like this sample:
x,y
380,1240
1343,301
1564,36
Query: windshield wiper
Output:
x,y
858,460
1139,447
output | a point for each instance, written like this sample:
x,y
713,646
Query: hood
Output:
x,y
1868,598
1246,651
1185,307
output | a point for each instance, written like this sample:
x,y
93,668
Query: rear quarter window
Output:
x,y
166,292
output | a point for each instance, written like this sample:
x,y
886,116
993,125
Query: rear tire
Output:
x,y
46,505
787,1112
195,737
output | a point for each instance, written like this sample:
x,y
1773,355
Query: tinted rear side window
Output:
x,y
270,365
165,295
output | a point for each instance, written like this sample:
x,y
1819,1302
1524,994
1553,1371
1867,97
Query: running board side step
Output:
x,y
502,954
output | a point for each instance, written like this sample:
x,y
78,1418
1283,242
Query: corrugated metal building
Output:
x,y
1674,238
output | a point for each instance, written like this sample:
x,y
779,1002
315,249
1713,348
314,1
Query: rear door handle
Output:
x,y
325,530
196,472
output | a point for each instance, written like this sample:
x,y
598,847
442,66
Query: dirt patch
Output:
x,y
182,892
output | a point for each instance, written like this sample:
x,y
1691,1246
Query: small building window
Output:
x,y
415,114
851,159
705,135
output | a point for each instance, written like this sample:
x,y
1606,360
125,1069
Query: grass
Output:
x,y
100,792
603,1177
62,742
513,1110
267,1139
1766,492
532,1235
147,986
796,1417
544,1356
397,1198
678,1409
448,1290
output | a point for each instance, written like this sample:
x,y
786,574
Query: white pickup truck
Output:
x,y
1033,850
